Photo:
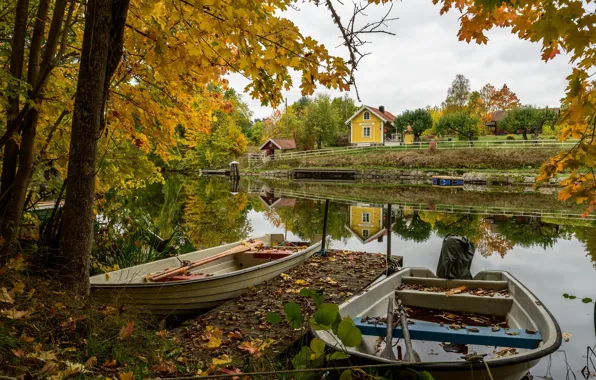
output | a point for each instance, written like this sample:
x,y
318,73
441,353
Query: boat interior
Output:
x,y
227,264
470,312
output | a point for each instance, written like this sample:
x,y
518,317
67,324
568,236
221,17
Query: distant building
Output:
x,y
271,145
366,223
369,125
499,116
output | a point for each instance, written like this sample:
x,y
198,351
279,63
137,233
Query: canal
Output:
x,y
545,244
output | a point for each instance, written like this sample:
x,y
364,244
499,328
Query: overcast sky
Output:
x,y
415,67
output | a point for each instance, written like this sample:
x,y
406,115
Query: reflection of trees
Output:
x,y
467,225
305,219
491,242
587,235
532,232
212,215
414,229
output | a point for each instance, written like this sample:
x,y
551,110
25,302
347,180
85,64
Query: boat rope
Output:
x,y
290,371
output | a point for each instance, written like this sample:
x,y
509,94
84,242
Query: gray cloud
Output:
x,y
415,67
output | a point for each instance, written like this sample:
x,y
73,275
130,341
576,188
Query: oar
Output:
x,y
411,355
387,352
185,268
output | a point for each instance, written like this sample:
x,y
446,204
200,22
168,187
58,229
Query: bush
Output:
x,y
510,137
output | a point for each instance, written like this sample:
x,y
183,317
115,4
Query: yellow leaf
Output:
x,y
213,336
220,360
5,296
301,282
18,287
14,313
91,362
126,375
17,263
285,276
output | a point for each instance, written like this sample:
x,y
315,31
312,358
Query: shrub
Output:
x,y
510,137
432,147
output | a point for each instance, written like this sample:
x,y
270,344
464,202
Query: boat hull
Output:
x,y
521,307
192,296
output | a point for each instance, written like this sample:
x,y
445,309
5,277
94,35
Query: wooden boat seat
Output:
x,y
444,283
272,254
434,332
189,276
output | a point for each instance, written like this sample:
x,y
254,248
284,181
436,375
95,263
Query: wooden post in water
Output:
x,y
388,234
324,239
234,171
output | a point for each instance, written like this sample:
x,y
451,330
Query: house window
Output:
x,y
366,115
365,234
366,131
366,217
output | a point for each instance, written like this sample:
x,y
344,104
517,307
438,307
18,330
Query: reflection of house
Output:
x,y
270,201
271,145
369,125
366,223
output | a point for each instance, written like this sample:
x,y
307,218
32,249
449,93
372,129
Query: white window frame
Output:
x,y
367,219
369,131
366,115
365,233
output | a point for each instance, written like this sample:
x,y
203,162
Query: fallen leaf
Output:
x,y
126,376
43,355
49,368
14,313
285,276
455,290
301,282
213,337
164,368
18,287
126,330
331,281
235,334
221,360
18,353
252,347
91,362
162,333
567,337
5,296
26,339
59,306
511,333
231,371
109,364
72,369
17,263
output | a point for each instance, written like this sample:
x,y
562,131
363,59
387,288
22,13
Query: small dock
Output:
x,y
448,181
242,321
335,175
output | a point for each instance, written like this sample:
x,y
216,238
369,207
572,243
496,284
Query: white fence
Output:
x,y
454,144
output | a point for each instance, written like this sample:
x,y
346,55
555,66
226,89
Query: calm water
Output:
x,y
550,254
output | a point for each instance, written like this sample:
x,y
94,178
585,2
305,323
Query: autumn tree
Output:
x,y
345,107
461,123
457,95
485,102
419,119
566,26
528,119
321,121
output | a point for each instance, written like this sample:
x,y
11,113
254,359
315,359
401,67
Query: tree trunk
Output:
x,y
525,134
9,163
101,53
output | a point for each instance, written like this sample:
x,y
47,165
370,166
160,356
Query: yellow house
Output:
x,y
366,223
370,125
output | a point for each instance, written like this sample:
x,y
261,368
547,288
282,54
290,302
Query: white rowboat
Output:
x,y
228,277
530,325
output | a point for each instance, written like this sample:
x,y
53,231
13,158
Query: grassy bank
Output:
x,y
473,159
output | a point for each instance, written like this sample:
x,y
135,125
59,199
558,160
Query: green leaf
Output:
x,y
318,297
335,324
586,300
317,346
326,314
424,376
566,295
337,355
572,297
348,333
273,318
294,315
346,375
305,292
302,359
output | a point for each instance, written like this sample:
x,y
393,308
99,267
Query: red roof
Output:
x,y
281,143
386,115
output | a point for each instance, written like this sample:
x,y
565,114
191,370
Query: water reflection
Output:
x,y
550,252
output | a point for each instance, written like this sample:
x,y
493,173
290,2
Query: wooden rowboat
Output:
x,y
200,288
527,331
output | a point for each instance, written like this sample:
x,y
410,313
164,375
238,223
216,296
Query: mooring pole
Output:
x,y
388,233
324,239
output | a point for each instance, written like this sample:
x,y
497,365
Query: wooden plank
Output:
x,y
434,332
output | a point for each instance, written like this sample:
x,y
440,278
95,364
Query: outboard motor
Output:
x,y
456,257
